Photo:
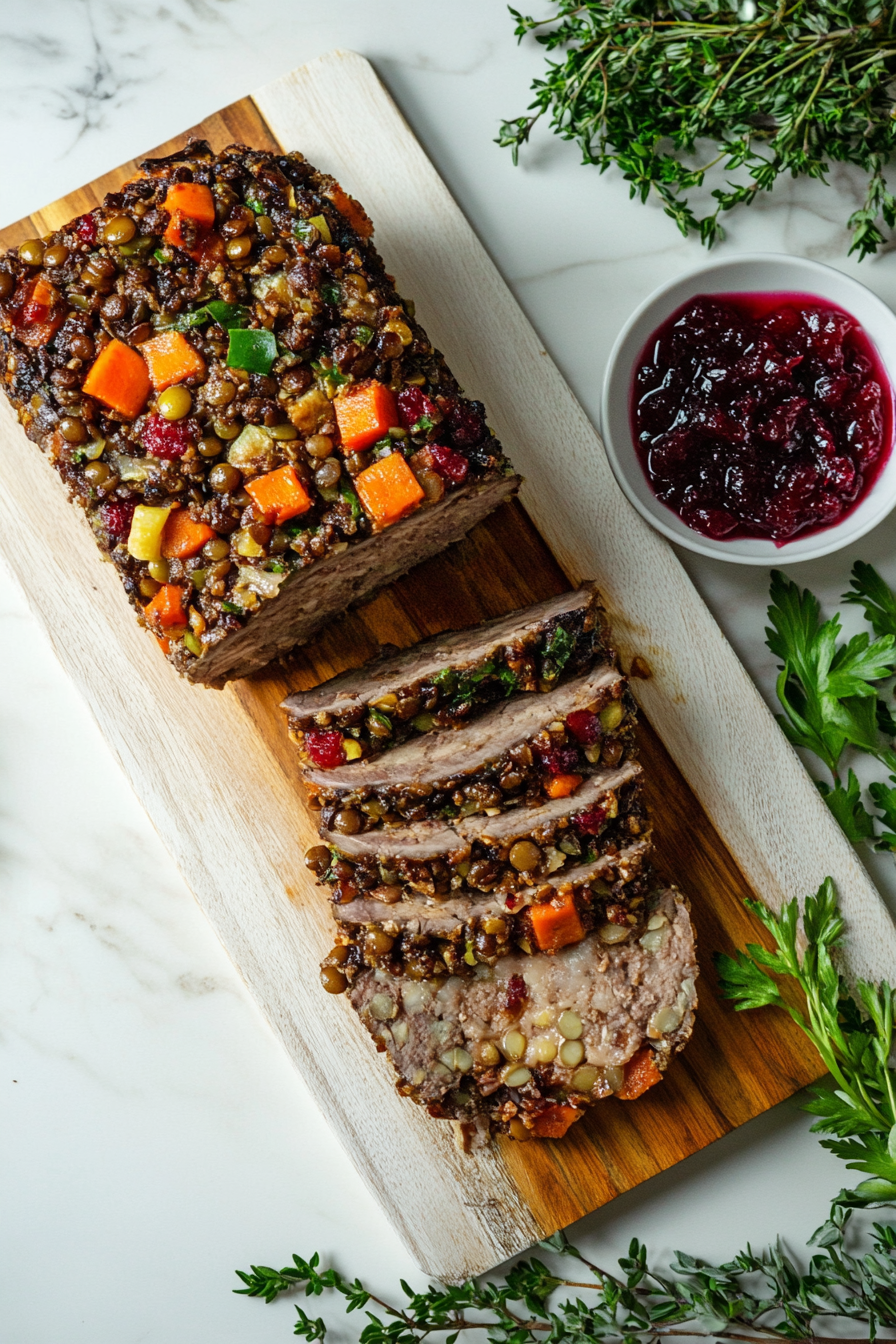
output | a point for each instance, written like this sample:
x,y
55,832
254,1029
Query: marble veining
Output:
x,y
149,1121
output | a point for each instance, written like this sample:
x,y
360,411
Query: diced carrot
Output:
x,y
641,1073
164,644
171,358
388,490
555,1121
351,210
193,202
119,378
561,786
556,923
167,608
183,537
364,413
280,495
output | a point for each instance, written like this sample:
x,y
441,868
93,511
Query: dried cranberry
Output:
x,y
584,726
590,822
466,422
325,748
558,760
168,439
449,463
116,516
516,996
413,405
86,229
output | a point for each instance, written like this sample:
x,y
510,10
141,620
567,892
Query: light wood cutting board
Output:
x,y
218,776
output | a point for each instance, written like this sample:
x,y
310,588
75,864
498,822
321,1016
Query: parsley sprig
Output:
x,y
830,691
756,90
763,1295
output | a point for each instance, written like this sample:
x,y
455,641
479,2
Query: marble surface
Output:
x,y
153,1135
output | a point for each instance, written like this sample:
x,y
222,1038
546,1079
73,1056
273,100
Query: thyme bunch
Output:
x,y
755,1296
757,89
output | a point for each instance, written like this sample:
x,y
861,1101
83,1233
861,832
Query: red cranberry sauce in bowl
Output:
x,y
761,415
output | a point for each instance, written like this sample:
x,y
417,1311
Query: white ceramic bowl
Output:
x,y
746,274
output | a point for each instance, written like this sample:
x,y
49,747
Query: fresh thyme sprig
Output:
x,y
774,86
830,692
764,1296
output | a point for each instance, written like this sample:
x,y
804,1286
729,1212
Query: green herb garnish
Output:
x,y
330,292
763,90
422,426
254,350
330,374
351,499
363,335
232,608
255,205
559,648
227,315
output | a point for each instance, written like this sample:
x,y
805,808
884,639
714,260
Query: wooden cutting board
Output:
x,y
219,779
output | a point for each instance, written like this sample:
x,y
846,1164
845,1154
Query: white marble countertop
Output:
x,y
154,1135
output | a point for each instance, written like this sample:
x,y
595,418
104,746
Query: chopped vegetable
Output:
x,y
351,210
188,201
365,412
388,490
145,537
226,315
641,1073
280,495
166,610
555,1121
556,923
119,378
252,350
182,537
171,358
561,786
322,227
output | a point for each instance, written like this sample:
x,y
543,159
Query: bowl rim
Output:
x,y
826,541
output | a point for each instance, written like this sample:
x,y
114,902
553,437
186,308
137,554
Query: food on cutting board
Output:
x,y
223,374
504,941
761,415
435,684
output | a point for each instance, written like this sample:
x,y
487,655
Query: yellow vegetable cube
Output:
x,y
247,545
145,537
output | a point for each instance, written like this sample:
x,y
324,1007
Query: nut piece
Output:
x,y
383,1008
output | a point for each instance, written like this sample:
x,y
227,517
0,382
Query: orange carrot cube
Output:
x,y
555,1121
351,210
561,786
166,609
388,490
171,358
119,378
641,1073
193,202
183,537
556,923
279,495
365,412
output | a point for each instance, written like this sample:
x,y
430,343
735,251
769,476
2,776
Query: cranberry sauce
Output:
x,y
761,415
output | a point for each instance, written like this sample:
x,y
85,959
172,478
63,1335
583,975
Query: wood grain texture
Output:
x,y
228,802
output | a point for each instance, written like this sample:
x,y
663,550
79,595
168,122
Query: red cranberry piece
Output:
x,y
584,726
516,995
116,516
86,229
167,439
466,424
590,822
559,760
325,748
449,463
715,523
413,405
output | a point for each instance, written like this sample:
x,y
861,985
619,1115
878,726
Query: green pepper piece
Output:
x,y
254,350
